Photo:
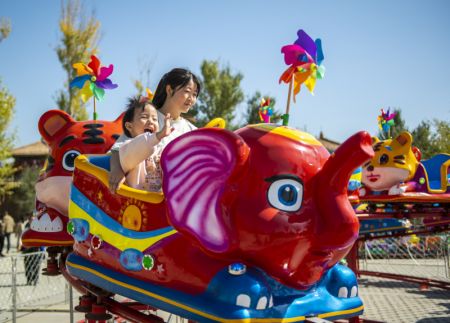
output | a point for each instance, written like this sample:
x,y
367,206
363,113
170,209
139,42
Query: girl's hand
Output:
x,y
166,130
116,176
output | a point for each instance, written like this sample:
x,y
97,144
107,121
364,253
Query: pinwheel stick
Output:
x,y
286,115
95,111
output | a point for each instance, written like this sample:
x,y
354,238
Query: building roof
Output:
x,y
36,149
330,145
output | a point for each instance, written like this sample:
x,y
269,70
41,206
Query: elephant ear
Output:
x,y
198,167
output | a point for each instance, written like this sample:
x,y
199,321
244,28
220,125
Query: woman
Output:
x,y
175,94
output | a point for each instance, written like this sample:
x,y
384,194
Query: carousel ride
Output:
x,y
250,227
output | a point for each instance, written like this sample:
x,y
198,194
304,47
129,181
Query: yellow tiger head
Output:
x,y
394,162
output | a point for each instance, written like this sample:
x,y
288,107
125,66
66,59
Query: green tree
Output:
x,y
5,28
441,137
7,183
432,137
251,115
79,40
422,136
220,95
25,190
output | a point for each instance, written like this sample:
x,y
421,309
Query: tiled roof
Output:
x,y
330,145
37,149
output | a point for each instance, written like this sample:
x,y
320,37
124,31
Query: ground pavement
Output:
x,y
395,301
384,300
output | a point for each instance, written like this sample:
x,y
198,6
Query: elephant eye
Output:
x,y
285,194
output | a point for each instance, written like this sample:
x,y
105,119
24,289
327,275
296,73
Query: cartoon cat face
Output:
x,y
394,162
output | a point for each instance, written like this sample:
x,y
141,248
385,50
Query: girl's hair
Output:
x,y
176,78
134,103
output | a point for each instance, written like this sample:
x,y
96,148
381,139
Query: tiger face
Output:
x,y
67,139
394,162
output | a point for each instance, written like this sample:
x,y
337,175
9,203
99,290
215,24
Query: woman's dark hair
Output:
x,y
134,103
176,78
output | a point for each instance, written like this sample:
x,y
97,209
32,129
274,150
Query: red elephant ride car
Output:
x,y
250,227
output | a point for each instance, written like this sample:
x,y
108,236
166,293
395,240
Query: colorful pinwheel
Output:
x,y
93,79
305,57
386,121
265,110
148,97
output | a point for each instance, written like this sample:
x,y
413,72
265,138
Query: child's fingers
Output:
x,y
115,182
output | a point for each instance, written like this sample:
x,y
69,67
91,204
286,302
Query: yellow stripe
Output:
x,y
351,311
82,163
294,134
187,308
114,238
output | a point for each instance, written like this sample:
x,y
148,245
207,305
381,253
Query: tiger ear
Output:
x,y
417,153
52,122
375,140
404,139
119,119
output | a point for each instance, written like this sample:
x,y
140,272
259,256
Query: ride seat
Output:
x,y
436,170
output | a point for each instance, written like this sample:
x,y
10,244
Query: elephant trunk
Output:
x,y
337,226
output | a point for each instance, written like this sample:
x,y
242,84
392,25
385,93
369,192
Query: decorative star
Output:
x,y
160,269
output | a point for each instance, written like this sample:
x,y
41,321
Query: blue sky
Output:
x,y
377,54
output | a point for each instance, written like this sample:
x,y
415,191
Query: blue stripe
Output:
x,y
104,219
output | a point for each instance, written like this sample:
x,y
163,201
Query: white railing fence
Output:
x,y
425,256
24,288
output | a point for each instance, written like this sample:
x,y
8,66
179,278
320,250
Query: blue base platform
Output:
x,y
259,297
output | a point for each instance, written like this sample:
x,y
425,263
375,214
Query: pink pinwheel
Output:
x,y
93,79
305,57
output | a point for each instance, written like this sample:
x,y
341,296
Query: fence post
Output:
x,y
14,288
447,255
71,303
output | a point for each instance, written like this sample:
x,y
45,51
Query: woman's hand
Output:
x,y
166,130
116,175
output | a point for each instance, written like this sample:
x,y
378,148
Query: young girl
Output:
x,y
175,94
140,118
